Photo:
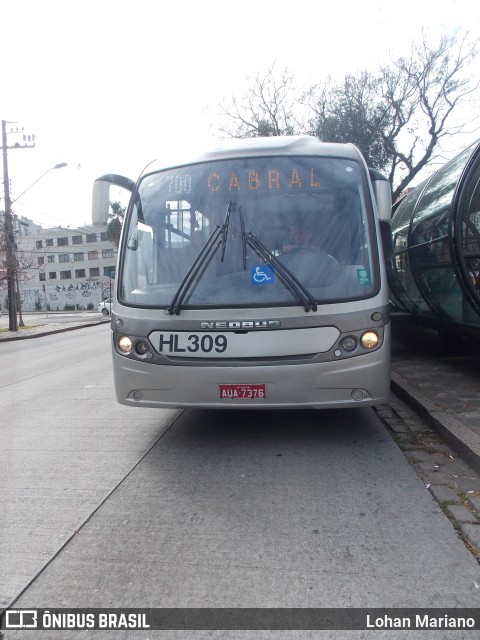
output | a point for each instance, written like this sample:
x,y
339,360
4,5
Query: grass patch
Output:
x,y
27,326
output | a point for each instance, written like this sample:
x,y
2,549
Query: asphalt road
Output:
x,y
109,506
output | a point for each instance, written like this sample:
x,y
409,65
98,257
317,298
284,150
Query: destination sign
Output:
x,y
275,176
269,179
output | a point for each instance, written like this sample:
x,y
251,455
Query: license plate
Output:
x,y
242,391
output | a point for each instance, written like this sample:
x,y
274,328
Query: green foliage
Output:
x,y
352,112
115,222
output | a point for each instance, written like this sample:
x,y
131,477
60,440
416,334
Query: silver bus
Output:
x,y
253,276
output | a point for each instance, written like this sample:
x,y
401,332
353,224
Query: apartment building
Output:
x,y
63,268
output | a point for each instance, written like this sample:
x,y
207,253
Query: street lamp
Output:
x,y
11,246
57,166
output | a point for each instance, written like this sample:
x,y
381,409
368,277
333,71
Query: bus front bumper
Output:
x,y
354,382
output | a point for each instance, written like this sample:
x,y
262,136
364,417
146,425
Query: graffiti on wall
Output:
x,y
82,295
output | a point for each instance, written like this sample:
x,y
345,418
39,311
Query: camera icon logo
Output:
x,y
20,619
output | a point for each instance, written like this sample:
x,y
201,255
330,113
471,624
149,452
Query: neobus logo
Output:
x,y
241,324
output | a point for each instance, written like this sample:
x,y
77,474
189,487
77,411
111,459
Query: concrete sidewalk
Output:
x,y
444,390
36,326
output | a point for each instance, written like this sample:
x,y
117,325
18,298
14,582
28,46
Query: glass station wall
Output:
x,y
435,271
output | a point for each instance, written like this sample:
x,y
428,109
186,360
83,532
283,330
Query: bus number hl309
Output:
x,y
178,343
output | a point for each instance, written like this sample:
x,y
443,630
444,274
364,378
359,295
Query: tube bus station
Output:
x,y
435,272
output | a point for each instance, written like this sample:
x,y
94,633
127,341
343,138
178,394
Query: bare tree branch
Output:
x,y
268,109
397,116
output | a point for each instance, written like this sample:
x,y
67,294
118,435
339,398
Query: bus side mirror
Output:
x,y
100,202
383,198
387,240
101,195
383,195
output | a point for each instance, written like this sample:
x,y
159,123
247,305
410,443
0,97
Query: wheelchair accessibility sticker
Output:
x,y
262,274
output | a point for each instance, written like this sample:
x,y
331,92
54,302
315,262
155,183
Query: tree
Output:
x,y
421,93
115,222
26,258
397,116
26,255
350,112
266,110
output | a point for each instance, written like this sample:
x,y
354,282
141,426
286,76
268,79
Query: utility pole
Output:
x,y
10,244
9,239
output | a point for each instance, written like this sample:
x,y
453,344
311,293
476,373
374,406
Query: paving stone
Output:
x,y
461,513
403,439
399,427
472,531
467,484
444,493
411,455
384,411
438,448
418,427
430,478
440,459
439,476
407,416
475,424
418,455
429,466
454,471
392,422
474,502
459,469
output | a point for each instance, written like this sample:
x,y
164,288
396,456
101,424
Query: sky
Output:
x,y
107,87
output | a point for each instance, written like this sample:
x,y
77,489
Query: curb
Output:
x,y
458,436
45,332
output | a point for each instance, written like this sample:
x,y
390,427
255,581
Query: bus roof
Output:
x,y
269,146
280,145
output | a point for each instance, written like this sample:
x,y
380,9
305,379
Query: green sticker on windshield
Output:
x,y
363,276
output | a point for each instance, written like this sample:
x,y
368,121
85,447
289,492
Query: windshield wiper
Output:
x,y
219,239
286,276
244,241
201,262
225,229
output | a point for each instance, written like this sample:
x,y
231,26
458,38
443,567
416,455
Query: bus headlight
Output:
x,y
369,340
124,344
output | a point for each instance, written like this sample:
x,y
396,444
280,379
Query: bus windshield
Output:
x,y
250,232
